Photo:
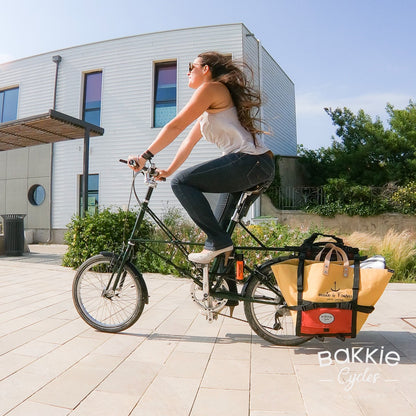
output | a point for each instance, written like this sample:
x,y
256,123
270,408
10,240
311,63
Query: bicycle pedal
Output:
x,y
210,316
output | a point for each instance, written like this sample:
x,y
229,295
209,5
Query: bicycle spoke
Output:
x,y
271,321
109,310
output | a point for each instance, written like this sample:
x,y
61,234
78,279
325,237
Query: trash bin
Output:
x,y
14,234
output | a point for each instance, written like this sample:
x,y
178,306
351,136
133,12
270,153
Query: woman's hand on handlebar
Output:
x,y
136,163
162,175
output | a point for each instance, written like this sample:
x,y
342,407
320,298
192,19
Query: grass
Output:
x,y
398,248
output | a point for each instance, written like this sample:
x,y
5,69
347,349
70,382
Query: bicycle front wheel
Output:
x,y
100,304
267,312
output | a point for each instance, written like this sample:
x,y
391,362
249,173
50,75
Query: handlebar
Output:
x,y
132,162
151,171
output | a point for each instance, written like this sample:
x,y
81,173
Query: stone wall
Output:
x,y
340,224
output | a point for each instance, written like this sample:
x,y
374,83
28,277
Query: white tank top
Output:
x,y
225,130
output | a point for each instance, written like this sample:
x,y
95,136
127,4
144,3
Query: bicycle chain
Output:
x,y
233,317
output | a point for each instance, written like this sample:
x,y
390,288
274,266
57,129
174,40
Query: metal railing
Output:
x,y
299,197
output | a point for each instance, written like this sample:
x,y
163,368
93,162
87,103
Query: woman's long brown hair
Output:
x,y
245,98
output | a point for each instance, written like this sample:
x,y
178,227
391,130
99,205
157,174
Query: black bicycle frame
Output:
x,y
128,254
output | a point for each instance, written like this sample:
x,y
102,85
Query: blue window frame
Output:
x,y
92,98
8,104
165,93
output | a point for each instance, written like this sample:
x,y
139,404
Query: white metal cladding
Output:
x,y
35,78
278,96
127,65
278,108
126,113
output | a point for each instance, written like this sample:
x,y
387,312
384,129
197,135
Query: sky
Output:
x,y
358,54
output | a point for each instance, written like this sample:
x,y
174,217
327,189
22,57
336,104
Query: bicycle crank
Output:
x,y
208,305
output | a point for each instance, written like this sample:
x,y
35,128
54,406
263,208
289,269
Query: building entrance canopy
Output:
x,y
50,127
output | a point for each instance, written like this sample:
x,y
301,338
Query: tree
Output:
x,y
401,143
318,165
366,153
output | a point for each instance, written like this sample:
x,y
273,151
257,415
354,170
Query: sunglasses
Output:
x,y
192,66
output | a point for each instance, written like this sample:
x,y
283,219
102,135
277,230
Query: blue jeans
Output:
x,y
229,175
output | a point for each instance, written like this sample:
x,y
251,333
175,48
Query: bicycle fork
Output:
x,y
118,274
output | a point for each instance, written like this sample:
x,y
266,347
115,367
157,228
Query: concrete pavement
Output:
x,y
172,362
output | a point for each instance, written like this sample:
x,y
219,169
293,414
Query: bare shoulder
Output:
x,y
220,97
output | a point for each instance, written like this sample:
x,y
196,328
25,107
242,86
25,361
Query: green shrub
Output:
x,y
271,234
356,208
183,230
343,198
103,231
404,199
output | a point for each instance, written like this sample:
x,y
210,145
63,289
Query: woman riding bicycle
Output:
x,y
222,104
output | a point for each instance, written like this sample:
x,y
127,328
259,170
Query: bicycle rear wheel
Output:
x,y
108,310
271,321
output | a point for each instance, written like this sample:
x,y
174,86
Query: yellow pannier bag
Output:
x,y
330,298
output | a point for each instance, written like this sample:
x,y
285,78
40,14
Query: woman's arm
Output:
x,y
184,151
200,101
208,95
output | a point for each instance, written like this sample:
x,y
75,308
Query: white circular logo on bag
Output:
x,y
326,318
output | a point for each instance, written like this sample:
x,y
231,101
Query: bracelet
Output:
x,y
147,155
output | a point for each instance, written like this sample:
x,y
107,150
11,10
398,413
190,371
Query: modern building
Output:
x,y
130,87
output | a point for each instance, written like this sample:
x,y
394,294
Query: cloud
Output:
x,y
312,104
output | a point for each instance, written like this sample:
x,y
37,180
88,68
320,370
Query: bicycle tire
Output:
x,y
262,317
106,312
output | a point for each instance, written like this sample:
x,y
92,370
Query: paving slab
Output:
x,y
173,362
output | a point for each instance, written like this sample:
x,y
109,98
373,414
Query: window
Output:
x,y
92,98
92,194
8,104
36,194
165,93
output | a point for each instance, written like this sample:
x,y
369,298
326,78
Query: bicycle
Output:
x,y
109,292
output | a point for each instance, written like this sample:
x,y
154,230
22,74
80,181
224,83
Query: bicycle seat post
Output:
x,y
236,217
246,200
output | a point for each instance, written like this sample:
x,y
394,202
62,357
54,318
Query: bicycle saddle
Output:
x,y
258,189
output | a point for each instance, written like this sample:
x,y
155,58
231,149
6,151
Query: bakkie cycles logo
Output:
x,y
349,378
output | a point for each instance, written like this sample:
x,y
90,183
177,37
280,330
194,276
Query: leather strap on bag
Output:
x,y
307,306
319,255
300,276
341,256
355,289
